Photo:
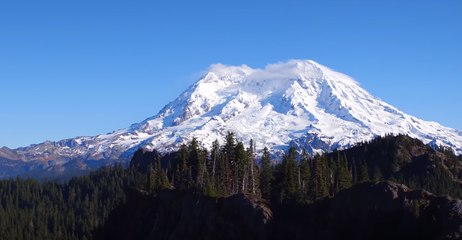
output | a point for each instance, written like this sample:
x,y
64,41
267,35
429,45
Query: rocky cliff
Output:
x,y
177,215
382,210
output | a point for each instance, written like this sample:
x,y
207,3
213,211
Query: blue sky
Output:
x,y
73,68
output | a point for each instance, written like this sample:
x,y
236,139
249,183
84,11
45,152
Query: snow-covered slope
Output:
x,y
298,102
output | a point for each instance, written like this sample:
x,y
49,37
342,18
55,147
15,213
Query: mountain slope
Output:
x,y
383,210
298,102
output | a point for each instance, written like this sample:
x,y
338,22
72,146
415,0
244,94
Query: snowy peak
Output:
x,y
285,86
298,102
287,103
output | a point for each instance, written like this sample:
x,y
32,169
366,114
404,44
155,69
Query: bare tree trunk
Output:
x,y
204,169
243,181
299,179
236,180
213,167
253,176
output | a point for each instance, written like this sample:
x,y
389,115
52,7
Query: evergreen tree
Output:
x,y
184,180
363,172
195,160
151,185
320,178
72,210
210,189
254,182
344,176
377,174
266,174
214,155
305,172
230,165
224,180
290,174
241,172
304,177
162,179
202,167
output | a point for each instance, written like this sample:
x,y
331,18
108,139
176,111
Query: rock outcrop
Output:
x,y
383,210
177,215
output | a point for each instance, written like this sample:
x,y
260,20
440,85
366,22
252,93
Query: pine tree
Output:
x,y
210,189
183,179
223,176
151,184
320,178
253,168
241,172
363,172
162,179
230,165
377,174
202,168
290,174
266,174
214,155
344,176
194,160
305,172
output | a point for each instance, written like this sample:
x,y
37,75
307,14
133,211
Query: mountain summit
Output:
x,y
299,102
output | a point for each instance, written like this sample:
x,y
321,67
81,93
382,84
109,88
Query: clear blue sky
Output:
x,y
72,68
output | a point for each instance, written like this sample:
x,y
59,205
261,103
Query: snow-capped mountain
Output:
x,y
298,102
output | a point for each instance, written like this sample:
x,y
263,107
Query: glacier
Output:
x,y
294,103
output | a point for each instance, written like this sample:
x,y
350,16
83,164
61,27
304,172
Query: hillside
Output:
x,y
297,103
382,210
211,193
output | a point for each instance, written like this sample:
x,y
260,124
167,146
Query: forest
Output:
x,y
32,209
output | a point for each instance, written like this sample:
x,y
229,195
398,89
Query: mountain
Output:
x,y
382,210
299,102
169,201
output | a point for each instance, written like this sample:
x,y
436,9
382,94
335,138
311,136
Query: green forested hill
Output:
x,y
30,209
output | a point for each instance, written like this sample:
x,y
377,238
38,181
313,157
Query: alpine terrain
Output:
x,y
296,103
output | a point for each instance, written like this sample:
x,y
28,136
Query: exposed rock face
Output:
x,y
382,210
176,215
143,158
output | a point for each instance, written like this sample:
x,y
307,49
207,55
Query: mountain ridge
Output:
x,y
295,103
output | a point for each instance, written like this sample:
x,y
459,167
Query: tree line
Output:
x,y
302,178
30,209
233,168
